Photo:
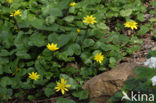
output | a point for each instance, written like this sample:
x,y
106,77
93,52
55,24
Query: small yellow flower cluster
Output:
x,y
52,47
17,12
9,1
78,31
99,57
62,86
33,75
72,4
131,24
89,19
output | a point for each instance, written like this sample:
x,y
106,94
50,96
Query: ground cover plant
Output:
x,y
49,48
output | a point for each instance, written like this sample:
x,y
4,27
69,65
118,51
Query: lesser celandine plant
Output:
x,y
64,40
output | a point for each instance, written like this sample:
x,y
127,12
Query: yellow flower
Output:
x,y
78,31
99,57
131,24
33,75
89,19
17,12
62,86
10,1
52,47
72,4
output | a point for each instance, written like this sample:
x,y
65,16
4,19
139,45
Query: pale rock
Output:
x,y
151,63
153,79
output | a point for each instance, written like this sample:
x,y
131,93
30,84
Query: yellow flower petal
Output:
x,y
10,1
62,90
33,76
62,86
99,57
52,47
68,85
89,19
17,12
65,89
78,31
131,24
72,4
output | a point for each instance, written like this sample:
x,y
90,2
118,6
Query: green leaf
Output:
x,y
51,10
64,100
21,73
50,20
37,39
4,60
107,47
7,38
30,97
21,41
112,62
5,93
5,81
140,17
152,12
4,52
69,18
34,21
74,49
24,14
23,54
88,43
86,57
49,91
102,26
49,75
152,53
51,85
53,37
70,81
1,70
72,9
126,12
63,40
152,19
86,72
39,68
70,70
64,56
144,29
153,3
82,95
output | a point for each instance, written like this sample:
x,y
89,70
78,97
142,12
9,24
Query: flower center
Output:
x,y
62,86
90,20
99,57
131,24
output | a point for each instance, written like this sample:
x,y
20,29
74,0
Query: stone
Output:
x,y
151,62
153,79
105,85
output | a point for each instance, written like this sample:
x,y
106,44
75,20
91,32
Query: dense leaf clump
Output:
x,y
28,26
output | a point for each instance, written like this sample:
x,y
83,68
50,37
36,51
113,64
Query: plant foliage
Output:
x,y
23,41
